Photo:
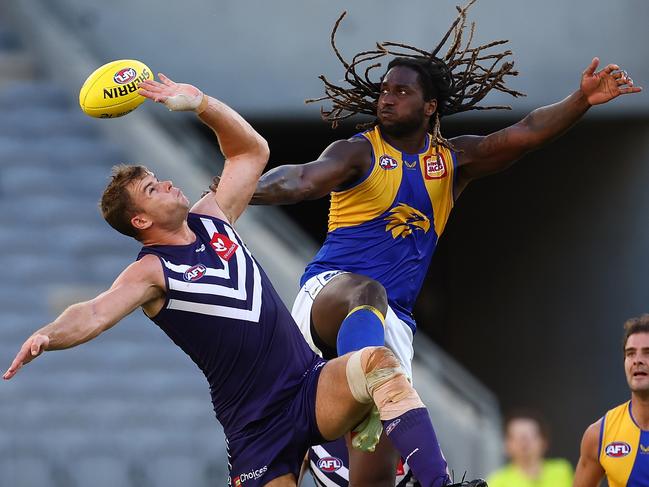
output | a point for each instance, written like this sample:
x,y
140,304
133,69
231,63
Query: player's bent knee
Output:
x,y
375,374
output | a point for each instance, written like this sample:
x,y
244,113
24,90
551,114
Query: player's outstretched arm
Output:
x,y
480,156
589,472
81,322
342,163
246,152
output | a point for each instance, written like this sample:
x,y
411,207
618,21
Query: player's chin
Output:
x,y
640,384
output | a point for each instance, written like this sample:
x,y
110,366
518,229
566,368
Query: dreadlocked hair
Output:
x,y
458,80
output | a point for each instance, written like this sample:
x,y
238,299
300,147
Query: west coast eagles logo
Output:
x,y
435,166
404,219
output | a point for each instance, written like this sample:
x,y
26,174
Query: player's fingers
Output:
x,y
154,87
625,80
166,80
11,371
152,95
592,66
15,365
631,89
152,84
610,68
38,345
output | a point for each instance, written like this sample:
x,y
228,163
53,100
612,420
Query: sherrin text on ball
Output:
x,y
112,90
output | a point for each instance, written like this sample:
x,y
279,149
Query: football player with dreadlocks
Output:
x,y
392,189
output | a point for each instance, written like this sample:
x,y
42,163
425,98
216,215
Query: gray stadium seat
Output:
x,y
17,96
24,470
174,471
100,471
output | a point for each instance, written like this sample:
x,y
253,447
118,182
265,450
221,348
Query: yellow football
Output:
x,y
111,90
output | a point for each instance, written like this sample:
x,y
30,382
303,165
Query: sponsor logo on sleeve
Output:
x,y
435,166
223,246
617,449
329,464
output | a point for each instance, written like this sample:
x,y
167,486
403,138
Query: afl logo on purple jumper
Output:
x,y
617,449
386,162
195,273
124,76
329,464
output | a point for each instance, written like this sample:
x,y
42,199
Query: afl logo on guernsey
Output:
x,y
223,246
194,273
124,76
386,162
329,464
617,449
435,166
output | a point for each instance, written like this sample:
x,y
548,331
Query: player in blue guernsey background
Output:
x,y
618,444
393,186
197,281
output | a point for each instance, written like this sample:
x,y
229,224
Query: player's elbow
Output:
x,y
261,152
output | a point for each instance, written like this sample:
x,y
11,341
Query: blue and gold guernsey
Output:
x,y
624,449
222,310
386,226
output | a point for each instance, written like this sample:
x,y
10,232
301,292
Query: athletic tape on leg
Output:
x,y
386,385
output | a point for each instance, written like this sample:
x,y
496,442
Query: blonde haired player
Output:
x,y
197,281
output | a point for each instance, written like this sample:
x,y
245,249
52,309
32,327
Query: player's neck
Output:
x,y
531,467
412,143
181,235
640,409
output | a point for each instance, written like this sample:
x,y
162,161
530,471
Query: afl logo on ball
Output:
x,y
386,162
194,273
124,76
617,449
329,464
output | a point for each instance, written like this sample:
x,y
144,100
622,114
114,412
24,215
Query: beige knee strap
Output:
x,y
356,378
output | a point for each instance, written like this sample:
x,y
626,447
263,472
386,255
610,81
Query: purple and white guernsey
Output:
x,y
222,310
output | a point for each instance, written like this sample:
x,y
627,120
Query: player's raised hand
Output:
x,y
602,86
175,96
32,348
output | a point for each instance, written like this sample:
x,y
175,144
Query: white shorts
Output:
x,y
398,335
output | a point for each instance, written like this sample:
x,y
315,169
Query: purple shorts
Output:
x,y
278,446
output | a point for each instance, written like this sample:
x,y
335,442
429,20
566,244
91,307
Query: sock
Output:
x,y
363,327
413,436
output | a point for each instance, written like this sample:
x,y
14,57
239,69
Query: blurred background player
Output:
x,y
617,445
196,280
393,186
526,444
